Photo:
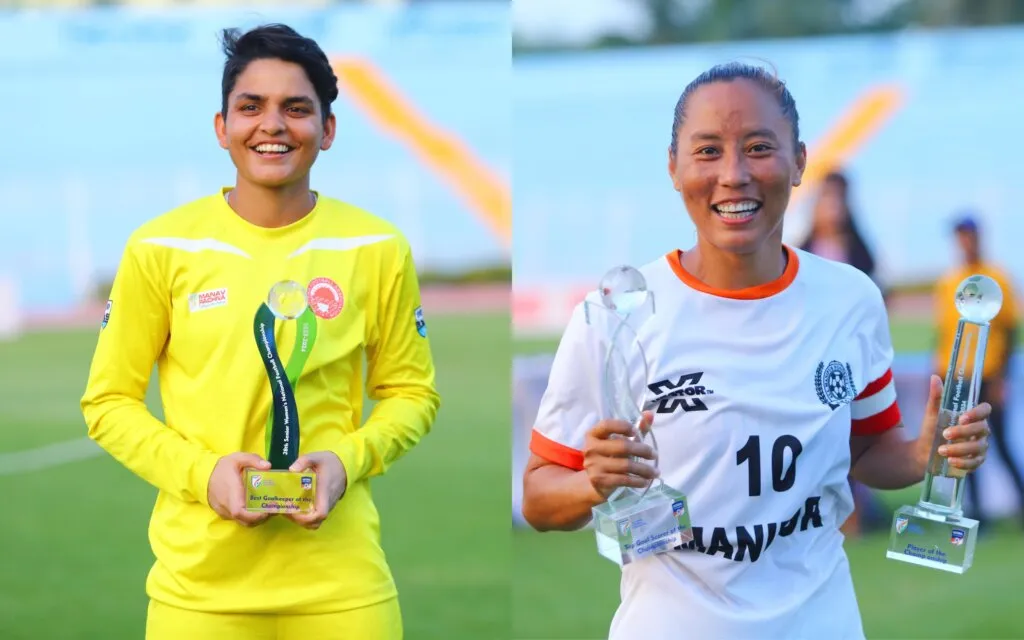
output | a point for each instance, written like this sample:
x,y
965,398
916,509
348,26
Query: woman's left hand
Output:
x,y
967,440
331,482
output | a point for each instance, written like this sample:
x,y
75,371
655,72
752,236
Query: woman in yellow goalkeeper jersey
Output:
x,y
188,288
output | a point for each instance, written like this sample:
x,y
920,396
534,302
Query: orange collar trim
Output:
x,y
750,293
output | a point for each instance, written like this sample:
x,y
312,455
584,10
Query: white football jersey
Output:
x,y
755,394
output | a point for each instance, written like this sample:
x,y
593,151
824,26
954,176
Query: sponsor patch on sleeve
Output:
x,y
106,314
421,324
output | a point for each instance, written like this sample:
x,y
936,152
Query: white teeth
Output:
x,y
736,207
272,148
737,216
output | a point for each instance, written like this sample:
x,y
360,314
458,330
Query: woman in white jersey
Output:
x,y
770,382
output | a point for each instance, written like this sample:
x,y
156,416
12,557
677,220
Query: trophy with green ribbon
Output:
x,y
934,532
279,490
632,523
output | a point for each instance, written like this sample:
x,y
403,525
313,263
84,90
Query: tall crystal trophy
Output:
x,y
934,533
279,490
633,523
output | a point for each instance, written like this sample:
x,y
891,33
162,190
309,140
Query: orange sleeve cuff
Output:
x,y
555,452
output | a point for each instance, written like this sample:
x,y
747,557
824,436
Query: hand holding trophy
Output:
x,y
934,533
280,490
632,523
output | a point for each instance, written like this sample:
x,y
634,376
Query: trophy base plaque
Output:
x,y
639,525
930,539
279,491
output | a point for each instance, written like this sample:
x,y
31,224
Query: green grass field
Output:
x,y
579,593
75,553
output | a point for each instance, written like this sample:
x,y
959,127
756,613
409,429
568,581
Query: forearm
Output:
x,y
395,426
890,463
148,448
558,499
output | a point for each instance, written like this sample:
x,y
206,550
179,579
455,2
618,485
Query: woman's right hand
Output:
x,y
608,460
226,490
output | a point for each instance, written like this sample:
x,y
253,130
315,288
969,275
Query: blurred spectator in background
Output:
x,y
834,235
1002,337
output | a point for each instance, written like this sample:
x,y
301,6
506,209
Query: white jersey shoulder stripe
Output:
x,y
339,244
874,404
195,245
875,410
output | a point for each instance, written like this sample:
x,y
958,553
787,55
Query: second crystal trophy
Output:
x,y
934,532
633,523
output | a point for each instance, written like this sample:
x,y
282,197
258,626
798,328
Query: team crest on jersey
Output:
x,y
685,392
325,298
207,300
834,384
901,524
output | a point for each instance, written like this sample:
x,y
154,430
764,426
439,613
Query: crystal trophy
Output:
x,y
279,490
633,523
934,533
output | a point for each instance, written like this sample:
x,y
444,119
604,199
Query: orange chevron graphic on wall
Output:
x,y
849,133
476,184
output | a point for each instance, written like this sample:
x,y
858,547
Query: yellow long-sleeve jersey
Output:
x,y
184,297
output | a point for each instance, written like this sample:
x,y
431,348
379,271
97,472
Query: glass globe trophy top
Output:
x,y
978,299
623,290
287,300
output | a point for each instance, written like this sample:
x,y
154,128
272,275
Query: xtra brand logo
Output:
x,y
686,393
207,300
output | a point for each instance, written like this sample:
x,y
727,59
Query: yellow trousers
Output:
x,y
382,621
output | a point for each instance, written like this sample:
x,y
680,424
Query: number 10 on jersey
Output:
x,y
631,524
